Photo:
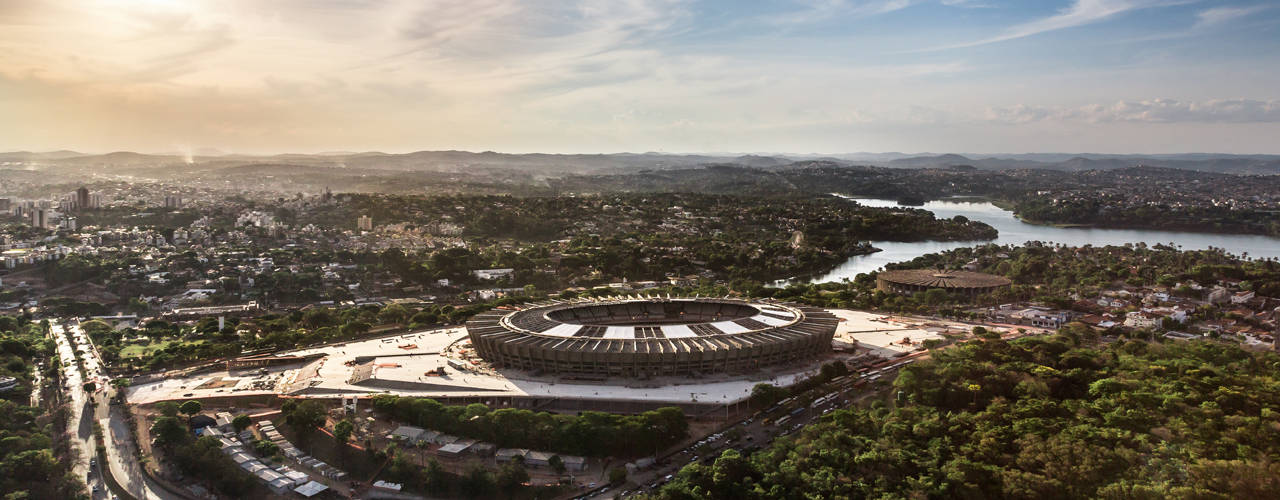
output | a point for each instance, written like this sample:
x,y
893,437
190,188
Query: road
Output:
x,y
753,433
124,468
79,424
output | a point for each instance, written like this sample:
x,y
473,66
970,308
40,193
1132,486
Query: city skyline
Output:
x,y
1105,76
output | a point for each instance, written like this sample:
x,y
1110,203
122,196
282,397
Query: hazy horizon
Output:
x,y
1101,76
214,153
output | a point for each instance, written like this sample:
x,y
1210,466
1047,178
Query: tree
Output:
x,y
394,313
168,431
95,328
190,407
241,422
617,475
557,464
90,387
167,408
478,483
833,369
355,328
266,448
306,417
764,395
424,318
511,477
342,432
436,477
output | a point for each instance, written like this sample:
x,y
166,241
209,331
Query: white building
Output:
x,y
1141,319
1242,297
492,274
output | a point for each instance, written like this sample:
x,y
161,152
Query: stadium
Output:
x,y
650,336
909,281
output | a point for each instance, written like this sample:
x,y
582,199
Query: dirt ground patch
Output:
x,y
217,383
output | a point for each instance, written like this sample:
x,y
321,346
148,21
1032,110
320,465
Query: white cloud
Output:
x,y
1146,111
558,75
1218,16
813,11
968,4
1080,13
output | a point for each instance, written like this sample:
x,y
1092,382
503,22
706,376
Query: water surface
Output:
x,y
1016,232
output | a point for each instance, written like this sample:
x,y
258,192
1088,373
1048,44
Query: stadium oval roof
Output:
x,y
650,335
934,278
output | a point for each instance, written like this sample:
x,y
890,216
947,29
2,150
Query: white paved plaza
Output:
x,y
402,365
408,358
889,335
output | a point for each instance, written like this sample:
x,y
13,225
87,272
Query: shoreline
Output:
x,y
1011,207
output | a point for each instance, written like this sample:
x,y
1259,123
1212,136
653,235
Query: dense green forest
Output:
x,y
1166,216
177,344
31,464
647,236
1059,270
1138,196
589,433
1036,418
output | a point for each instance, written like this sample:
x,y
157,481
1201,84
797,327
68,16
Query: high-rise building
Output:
x,y
4,204
364,223
173,201
82,198
39,217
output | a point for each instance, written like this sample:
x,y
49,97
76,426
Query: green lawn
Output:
x,y
143,350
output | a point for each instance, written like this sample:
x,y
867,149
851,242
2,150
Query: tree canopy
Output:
x,y
1034,418
590,433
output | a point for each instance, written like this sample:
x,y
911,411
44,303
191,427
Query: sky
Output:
x,y
564,76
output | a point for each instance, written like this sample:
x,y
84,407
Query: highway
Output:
x,y
80,428
754,433
124,468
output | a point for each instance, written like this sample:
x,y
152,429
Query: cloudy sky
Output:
x,y
798,76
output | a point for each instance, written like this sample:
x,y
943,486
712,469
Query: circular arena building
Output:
x,y
650,336
909,281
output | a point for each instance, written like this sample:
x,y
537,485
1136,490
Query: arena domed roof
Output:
x,y
651,335
934,278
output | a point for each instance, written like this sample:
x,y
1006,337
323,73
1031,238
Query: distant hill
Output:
x,y
940,161
26,156
544,166
1227,164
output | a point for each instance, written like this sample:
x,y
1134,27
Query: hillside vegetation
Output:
x,y
1034,418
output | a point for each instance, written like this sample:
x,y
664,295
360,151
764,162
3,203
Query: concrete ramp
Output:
x,y
410,385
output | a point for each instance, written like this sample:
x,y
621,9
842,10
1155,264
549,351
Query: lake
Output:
x,y
1016,232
